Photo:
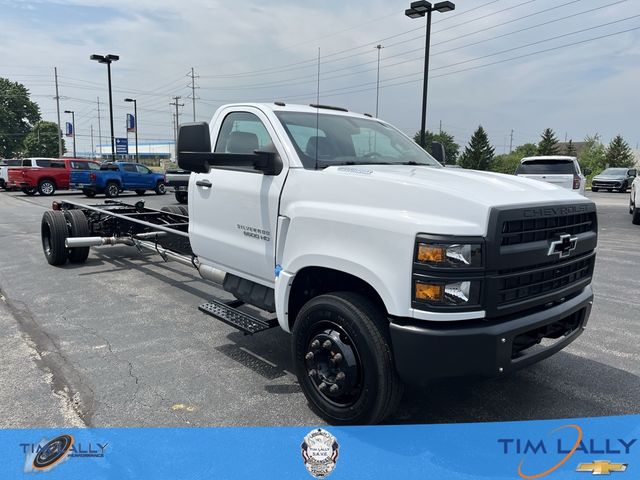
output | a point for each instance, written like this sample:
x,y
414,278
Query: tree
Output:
x,y
42,141
593,155
571,149
619,154
451,148
478,155
17,115
548,144
508,163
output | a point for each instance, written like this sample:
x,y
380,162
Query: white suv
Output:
x,y
634,208
558,170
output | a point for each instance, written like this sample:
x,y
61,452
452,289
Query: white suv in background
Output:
x,y
634,208
558,170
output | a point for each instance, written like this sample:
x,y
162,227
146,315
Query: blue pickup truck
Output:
x,y
114,177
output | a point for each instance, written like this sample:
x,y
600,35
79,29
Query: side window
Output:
x,y
242,132
142,169
57,164
130,168
26,162
43,163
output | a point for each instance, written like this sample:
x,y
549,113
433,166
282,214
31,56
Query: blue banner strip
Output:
x,y
556,449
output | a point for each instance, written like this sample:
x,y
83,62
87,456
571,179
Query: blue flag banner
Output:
x,y
69,129
131,123
553,449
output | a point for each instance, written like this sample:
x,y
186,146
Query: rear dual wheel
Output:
x,y
343,359
56,227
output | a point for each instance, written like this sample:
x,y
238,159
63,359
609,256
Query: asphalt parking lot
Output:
x,y
119,342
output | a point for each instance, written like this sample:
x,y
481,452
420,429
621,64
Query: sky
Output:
x,y
509,65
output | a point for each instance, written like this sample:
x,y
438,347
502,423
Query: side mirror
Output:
x,y
586,172
437,151
194,147
633,172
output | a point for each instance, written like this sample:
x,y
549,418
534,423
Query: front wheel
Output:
x,y
623,188
160,188
594,189
30,191
111,190
343,359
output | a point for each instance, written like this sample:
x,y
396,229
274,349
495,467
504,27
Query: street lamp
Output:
x,y
108,59
419,9
135,124
73,123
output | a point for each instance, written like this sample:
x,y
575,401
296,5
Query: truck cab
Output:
x,y
356,237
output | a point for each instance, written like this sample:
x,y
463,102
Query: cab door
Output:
x,y
130,176
234,211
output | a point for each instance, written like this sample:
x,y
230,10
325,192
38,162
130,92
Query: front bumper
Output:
x,y
425,351
606,183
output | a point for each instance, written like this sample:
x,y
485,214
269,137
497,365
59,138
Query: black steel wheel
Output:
x,y
112,190
46,187
30,191
160,188
54,232
343,359
78,227
182,197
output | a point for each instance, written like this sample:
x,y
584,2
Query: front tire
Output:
x,y
53,231
160,188
343,359
30,191
112,190
46,187
182,197
594,189
623,188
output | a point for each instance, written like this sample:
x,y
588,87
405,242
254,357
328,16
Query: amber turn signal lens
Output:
x,y
427,291
431,253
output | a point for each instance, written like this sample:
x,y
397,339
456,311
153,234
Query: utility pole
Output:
x,y
440,127
99,130
379,47
177,121
511,141
60,152
193,77
175,140
93,151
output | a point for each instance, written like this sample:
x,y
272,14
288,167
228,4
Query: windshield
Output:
x,y
341,140
617,172
547,166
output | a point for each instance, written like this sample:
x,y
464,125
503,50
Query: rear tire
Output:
x,y
54,231
89,193
46,187
140,192
160,188
353,326
182,197
112,190
184,210
30,191
175,209
79,227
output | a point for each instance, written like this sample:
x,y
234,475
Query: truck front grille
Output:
x,y
515,232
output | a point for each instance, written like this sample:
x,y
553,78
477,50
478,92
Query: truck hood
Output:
x,y
424,199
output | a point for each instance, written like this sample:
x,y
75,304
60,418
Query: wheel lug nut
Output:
x,y
337,358
340,376
327,344
322,387
313,373
334,388
309,356
315,344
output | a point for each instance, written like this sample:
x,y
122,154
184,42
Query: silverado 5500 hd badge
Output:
x,y
254,232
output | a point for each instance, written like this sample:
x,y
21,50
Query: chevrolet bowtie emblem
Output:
x,y
601,467
564,246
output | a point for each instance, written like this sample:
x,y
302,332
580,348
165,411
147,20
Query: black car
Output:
x,y
614,179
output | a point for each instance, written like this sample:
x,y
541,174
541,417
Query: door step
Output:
x,y
242,321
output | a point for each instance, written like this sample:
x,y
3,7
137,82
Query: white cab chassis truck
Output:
x,y
385,267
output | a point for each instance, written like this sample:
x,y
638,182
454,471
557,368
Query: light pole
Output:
x,y
108,59
73,123
135,122
379,47
419,9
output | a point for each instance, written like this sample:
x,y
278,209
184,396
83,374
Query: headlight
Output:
x,y
455,293
456,255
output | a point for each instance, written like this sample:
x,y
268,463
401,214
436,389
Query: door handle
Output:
x,y
204,183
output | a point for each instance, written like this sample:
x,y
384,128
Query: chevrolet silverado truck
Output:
x,y
10,163
115,177
52,175
386,268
